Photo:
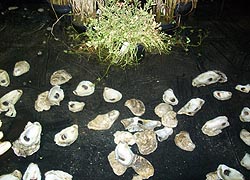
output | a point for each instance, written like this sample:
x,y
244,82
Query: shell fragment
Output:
x,y
183,141
245,136
136,106
4,147
245,162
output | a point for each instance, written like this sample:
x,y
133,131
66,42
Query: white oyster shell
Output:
x,y
135,124
75,106
84,88
243,88
123,154
193,106
183,141
162,109
169,119
226,173
169,97
222,95
104,121
42,103
245,115
57,175
124,137
4,78
136,106
245,136
60,77
212,176
4,147
245,161
32,172
56,95
117,167
164,133
21,68
15,175
111,95
143,167
29,140
67,136
214,127
209,77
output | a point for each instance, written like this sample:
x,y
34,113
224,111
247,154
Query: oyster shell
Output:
x,y
164,133
57,175
245,136
162,109
226,173
75,106
4,78
21,68
60,77
104,121
212,176
29,140
183,141
117,167
146,141
222,95
208,78
15,175
84,88
143,167
135,124
169,119
169,97
56,95
32,172
111,95
245,115
214,127
67,136
42,103
124,137
243,88
4,147
136,106
8,101
245,161
192,106
123,154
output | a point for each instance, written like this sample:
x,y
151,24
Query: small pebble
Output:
x,y
44,42
39,53
49,28
25,9
11,8
40,10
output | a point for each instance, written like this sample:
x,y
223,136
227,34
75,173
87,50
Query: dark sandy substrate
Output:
x,y
23,34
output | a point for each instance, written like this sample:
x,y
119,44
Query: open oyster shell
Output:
x,y
124,137
42,103
4,147
136,106
56,95
29,140
164,133
84,88
117,167
209,77
245,161
142,167
169,119
75,106
60,77
4,78
192,106
32,172
21,68
15,175
226,173
183,141
135,124
146,141
243,88
111,95
123,154
245,115
104,121
67,136
162,109
212,176
169,97
57,175
245,136
222,95
214,127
